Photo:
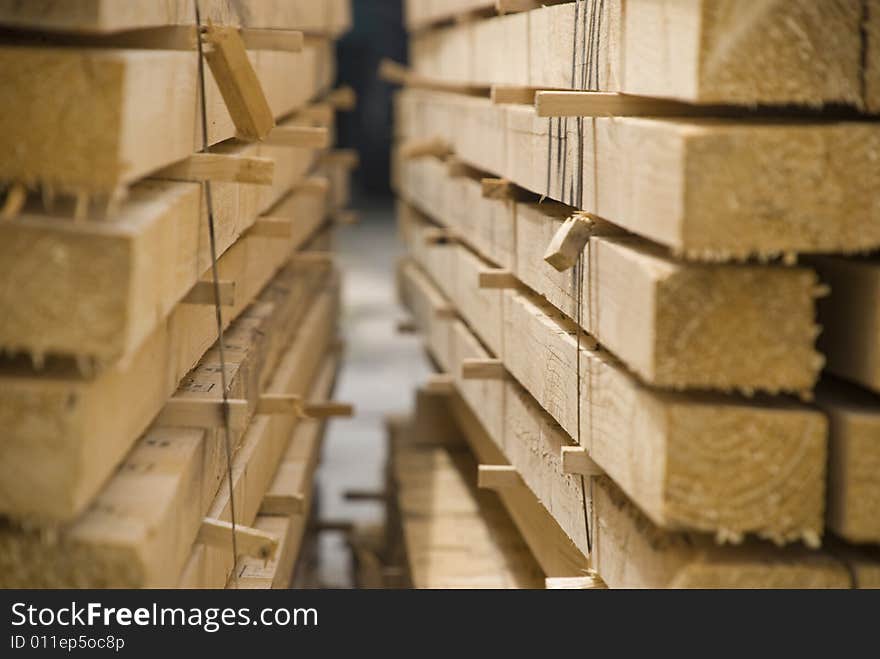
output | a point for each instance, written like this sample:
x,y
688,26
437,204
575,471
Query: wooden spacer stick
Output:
x,y
569,242
496,188
283,505
303,137
223,168
483,369
279,404
291,41
497,477
328,410
424,148
272,227
344,99
181,412
509,95
445,312
611,104
586,582
348,158
203,293
317,185
497,279
437,235
238,83
440,383
251,542
576,460
393,72
15,198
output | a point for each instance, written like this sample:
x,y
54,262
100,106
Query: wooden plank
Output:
x,y
669,452
872,55
107,16
295,473
257,464
118,280
118,134
671,180
664,318
456,536
854,461
629,549
140,527
850,318
39,407
712,54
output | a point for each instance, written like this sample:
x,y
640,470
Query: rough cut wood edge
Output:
x,y
120,135
139,529
670,181
714,54
632,552
120,279
36,408
854,461
850,318
108,16
676,324
690,435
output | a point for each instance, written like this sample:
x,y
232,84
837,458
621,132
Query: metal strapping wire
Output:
x,y
227,429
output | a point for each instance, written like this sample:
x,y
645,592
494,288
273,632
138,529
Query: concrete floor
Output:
x,y
379,374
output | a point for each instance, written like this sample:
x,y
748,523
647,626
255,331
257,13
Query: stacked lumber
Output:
x,y
652,294
132,233
454,535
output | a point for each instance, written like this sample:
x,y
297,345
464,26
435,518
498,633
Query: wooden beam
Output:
x,y
291,41
483,369
302,137
282,504
201,413
587,582
221,168
16,196
496,188
279,404
204,292
164,487
238,83
576,460
497,279
440,383
250,542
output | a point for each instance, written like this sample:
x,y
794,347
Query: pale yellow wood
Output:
x,y
497,279
262,39
16,196
569,242
140,528
222,168
204,292
202,413
424,148
482,369
249,542
95,131
576,460
107,16
35,408
306,137
279,404
272,227
328,410
575,583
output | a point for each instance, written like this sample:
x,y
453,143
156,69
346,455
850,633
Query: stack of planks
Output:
x,y
129,236
640,241
453,534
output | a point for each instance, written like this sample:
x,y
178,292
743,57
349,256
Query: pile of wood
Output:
x,y
642,247
167,170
